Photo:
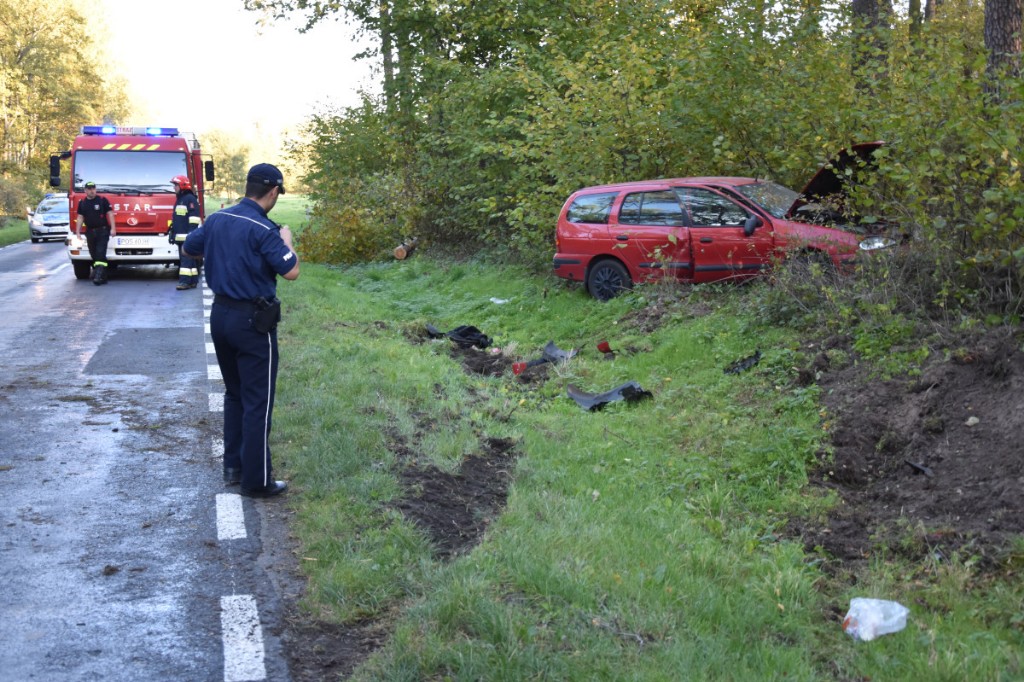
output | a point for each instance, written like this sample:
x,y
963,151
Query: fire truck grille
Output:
x,y
134,252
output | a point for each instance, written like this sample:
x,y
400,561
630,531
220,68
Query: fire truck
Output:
x,y
132,167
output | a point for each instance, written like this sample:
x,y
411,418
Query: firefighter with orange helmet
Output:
x,y
186,218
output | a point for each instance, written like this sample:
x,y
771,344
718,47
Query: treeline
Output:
x,y
492,112
52,80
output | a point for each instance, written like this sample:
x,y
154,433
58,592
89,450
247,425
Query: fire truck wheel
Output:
x,y
81,269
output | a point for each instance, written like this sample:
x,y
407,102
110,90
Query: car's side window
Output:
x,y
708,209
591,208
652,208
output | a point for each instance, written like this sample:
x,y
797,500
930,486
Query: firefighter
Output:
x,y
98,215
186,218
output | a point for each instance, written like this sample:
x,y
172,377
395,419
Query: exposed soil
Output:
x,y
925,467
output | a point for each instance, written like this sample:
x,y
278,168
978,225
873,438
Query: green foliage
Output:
x,y
51,82
507,108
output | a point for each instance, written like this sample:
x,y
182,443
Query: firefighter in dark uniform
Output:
x,y
244,252
186,218
98,215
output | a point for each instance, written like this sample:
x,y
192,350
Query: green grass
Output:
x,y
641,542
290,210
14,230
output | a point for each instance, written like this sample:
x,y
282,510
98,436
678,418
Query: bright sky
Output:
x,y
200,65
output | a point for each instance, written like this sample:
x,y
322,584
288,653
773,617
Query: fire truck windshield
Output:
x,y
128,172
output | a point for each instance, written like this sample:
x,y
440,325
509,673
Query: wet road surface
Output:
x,y
122,554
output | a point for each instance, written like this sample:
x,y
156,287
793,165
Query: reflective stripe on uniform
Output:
x,y
193,220
188,272
180,237
180,210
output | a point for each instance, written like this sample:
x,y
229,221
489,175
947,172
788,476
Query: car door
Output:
x,y
721,249
651,236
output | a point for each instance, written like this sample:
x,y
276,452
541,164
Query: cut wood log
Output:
x,y
405,249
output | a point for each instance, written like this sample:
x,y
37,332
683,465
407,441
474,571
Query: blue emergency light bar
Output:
x,y
129,130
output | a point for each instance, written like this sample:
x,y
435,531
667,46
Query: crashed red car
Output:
x,y
708,228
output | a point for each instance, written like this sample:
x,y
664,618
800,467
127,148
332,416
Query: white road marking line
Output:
x,y
218,448
206,327
243,639
230,518
213,373
216,402
210,350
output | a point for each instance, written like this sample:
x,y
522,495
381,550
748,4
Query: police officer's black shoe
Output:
x,y
232,476
272,490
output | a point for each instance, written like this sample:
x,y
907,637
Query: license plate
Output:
x,y
131,241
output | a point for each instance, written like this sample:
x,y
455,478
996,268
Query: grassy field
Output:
x,y
641,542
290,209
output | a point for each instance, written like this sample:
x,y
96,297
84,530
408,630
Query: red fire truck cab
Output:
x,y
132,167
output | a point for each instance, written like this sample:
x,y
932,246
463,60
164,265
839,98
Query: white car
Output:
x,y
50,220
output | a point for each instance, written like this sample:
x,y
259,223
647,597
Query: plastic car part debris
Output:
x,y
869,618
744,364
919,468
630,391
464,336
551,353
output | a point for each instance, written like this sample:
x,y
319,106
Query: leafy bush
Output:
x,y
494,130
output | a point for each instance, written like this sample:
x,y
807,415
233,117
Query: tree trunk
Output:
x,y
1002,38
871,20
387,55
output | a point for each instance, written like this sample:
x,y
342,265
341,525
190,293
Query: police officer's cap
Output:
x,y
90,184
266,174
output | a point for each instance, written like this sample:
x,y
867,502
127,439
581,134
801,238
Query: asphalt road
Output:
x,y
122,554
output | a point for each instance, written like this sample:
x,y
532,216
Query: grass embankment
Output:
x,y
14,230
639,542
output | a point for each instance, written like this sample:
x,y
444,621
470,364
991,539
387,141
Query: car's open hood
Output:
x,y
829,180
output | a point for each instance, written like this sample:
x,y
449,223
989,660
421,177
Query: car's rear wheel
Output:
x,y
34,240
82,269
607,279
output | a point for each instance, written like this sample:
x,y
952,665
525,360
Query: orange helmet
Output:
x,y
182,181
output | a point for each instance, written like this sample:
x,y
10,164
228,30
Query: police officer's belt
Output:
x,y
228,302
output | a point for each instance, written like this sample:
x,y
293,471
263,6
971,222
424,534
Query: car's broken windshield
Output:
x,y
770,196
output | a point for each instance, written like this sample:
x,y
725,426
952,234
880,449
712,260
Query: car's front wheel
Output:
x,y
607,279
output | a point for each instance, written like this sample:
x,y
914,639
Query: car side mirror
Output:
x,y
753,222
208,170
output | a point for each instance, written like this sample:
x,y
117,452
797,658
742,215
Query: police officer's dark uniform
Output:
x,y
243,253
186,218
93,211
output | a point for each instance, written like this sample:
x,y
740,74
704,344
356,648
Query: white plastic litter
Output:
x,y
869,618
499,301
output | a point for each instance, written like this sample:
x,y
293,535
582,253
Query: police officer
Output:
x,y
244,252
98,215
186,218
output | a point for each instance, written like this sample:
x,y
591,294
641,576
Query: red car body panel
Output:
x,y
706,237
